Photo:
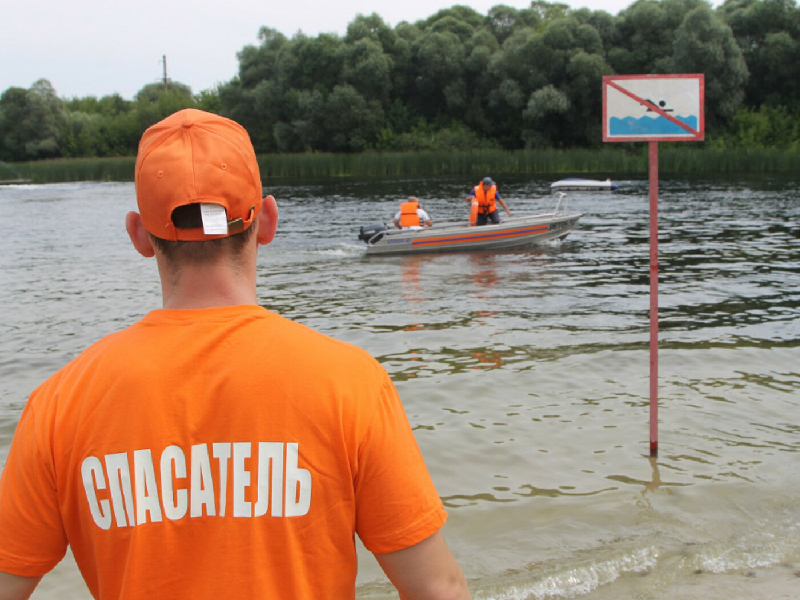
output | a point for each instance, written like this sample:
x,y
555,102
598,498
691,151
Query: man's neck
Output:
x,y
208,286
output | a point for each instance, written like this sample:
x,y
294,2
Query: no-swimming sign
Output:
x,y
666,108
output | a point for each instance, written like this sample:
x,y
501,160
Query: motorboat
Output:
x,y
575,184
512,232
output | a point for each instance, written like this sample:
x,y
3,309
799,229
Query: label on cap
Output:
x,y
215,221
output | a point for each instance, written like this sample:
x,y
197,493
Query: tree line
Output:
x,y
510,79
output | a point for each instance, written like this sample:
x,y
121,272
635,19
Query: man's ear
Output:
x,y
267,221
138,234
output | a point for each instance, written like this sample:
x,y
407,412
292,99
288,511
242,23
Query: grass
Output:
x,y
77,169
629,158
371,164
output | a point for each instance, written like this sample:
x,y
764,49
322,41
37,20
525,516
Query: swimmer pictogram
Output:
x,y
661,104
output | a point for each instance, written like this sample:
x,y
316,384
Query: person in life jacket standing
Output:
x,y
411,215
485,194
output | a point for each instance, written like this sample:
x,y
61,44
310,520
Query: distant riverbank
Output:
x,y
602,163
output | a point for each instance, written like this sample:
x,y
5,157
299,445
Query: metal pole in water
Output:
x,y
653,298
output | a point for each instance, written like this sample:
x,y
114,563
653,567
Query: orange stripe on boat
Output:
x,y
473,237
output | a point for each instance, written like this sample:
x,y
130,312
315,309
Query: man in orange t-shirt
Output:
x,y
215,449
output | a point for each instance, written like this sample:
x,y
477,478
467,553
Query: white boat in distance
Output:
x,y
575,184
512,232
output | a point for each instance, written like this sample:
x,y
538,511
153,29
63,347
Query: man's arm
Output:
x,y
425,571
16,587
503,204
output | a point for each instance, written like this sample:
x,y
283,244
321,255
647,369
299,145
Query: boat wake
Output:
x,y
341,250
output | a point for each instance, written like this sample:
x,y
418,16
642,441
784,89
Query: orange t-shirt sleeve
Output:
x,y
32,538
397,504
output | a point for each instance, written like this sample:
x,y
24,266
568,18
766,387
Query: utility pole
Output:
x,y
164,61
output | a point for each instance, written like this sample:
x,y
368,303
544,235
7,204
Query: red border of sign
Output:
x,y
691,136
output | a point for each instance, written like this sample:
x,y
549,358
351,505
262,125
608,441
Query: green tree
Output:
x,y
440,60
272,80
304,127
352,123
309,122
767,127
705,44
156,101
306,63
254,98
13,111
462,29
647,39
503,21
31,122
768,33
525,58
479,78
584,81
559,64
520,76
374,28
775,63
457,12
549,11
209,101
258,63
368,69
403,73
606,27
564,37
105,127
505,105
82,136
647,31
544,116
269,104
113,105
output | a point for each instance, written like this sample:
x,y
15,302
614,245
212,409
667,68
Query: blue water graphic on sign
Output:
x,y
651,126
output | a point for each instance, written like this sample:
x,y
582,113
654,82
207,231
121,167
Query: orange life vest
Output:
x,y
486,202
408,214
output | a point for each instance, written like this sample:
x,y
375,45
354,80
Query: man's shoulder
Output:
x,y
78,367
279,341
298,334
322,360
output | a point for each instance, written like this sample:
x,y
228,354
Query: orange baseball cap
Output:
x,y
195,157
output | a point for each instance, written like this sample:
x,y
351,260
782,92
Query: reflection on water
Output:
x,y
524,373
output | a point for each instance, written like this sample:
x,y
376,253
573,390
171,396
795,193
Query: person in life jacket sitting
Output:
x,y
484,195
411,215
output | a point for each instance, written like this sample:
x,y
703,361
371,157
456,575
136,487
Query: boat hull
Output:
x,y
583,185
458,237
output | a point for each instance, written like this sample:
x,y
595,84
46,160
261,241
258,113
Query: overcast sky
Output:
x,y
101,47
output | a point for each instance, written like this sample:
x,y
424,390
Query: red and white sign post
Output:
x,y
653,108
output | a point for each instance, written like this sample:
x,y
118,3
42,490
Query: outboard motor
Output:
x,y
369,231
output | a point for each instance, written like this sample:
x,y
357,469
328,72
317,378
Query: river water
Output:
x,y
525,373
